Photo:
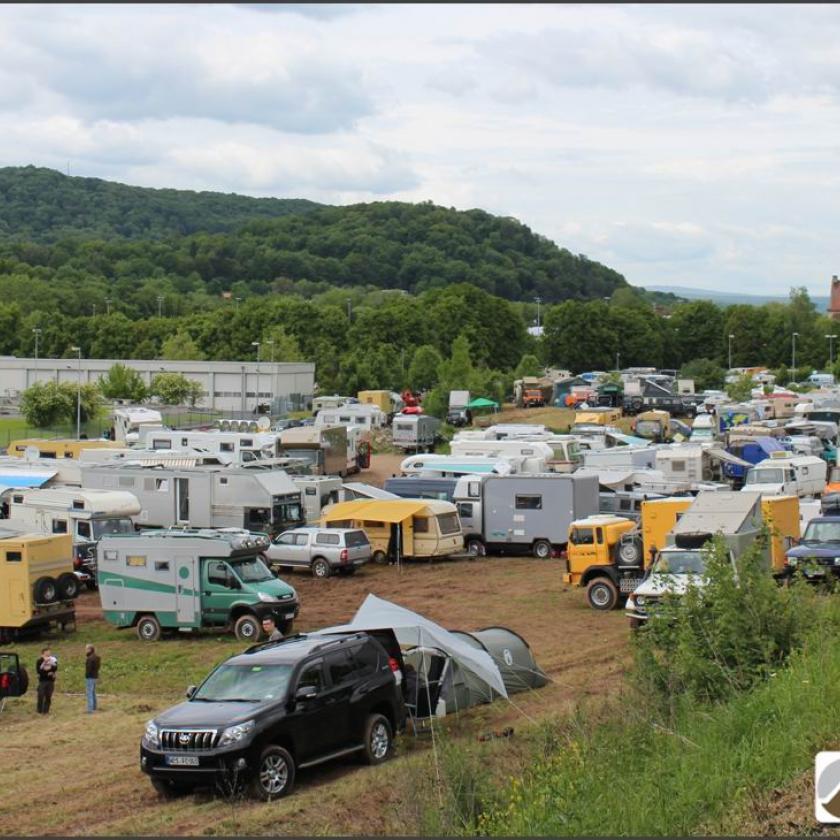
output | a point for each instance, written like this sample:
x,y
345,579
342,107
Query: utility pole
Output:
x,y
94,310
831,349
79,396
730,350
793,355
37,332
271,345
257,345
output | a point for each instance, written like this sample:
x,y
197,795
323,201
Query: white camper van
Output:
x,y
788,475
451,465
536,455
129,421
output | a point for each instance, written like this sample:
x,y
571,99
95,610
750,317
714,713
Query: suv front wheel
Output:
x,y
379,742
275,774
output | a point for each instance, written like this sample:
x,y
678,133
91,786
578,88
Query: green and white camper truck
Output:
x,y
187,579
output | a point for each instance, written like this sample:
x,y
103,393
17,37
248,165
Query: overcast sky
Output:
x,y
684,145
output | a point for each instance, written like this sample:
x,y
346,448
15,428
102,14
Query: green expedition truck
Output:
x,y
187,579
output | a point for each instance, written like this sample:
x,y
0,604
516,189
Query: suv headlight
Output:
x,y
152,735
234,734
640,600
265,597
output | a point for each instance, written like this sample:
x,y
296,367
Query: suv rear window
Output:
x,y
354,539
327,539
367,659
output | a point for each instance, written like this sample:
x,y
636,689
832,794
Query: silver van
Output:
x,y
321,550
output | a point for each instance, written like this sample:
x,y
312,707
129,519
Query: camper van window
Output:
x,y
110,555
678,466
185,442
13,557
225,447
78,505
68,454
345,419
162,485
127,482
83,530
421,525
18,500
223,480
528,502
257,518
246,442
44,453
160,443
59,526
364,525
625,504
465,510
449,524
311,491
474,489
101,527
582,536
161,565
135,560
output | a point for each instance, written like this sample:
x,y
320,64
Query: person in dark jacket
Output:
x,y
92,663
46,667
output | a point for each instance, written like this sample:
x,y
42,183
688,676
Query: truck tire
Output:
x,y
45,590
321,568
68,587
380,557
476,547
602,594
379,741
247,628
148,629
541,549
274,775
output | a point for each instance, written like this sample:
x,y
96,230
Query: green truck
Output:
x,y
187,579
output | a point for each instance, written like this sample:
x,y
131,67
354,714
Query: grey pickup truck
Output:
x,y
321,550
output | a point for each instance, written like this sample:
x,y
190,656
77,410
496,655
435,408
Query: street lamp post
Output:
x,y
271,345
793,355
831,349
37,333
160,305
257,345
730,350
617,361
539,301
79,395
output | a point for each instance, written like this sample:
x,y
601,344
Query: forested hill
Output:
x,y
92,227
43,205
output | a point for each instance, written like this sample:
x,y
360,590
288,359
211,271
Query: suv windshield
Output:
x,y
248,683
101,527
822,532
251,570
679,563
765,477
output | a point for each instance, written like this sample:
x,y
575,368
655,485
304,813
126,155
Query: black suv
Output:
x,y
277,707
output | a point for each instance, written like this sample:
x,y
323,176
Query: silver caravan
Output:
x,y
415,431
365,415
621,457
525,514
317,491
451,465
203,496
535,455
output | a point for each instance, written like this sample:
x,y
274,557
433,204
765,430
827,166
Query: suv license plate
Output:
x,y
182,760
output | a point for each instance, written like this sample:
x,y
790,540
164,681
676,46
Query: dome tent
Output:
x,y
512,655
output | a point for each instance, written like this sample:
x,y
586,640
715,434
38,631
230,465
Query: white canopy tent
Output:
x,y
412,629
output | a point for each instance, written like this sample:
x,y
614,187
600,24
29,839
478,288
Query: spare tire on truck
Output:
x,y
45,590
68,586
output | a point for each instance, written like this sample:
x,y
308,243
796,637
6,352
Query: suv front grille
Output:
x,y
188,739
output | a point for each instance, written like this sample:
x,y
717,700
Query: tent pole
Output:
x,y
431,720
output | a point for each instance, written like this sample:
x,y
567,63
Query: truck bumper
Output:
x,y
214,766
281,611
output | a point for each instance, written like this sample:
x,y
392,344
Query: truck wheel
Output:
x,y
630,553
148,629
380,557
476,548
247,628
45,590
541,549
379,741
68,586
274,775
602,594
321,568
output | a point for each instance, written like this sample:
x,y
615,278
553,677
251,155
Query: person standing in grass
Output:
x,y
46,667
92,663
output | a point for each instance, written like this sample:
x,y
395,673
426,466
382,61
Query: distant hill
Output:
x,y
42,205
730,298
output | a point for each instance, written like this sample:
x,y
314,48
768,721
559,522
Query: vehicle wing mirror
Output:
x,y
305,692
191,689
232,583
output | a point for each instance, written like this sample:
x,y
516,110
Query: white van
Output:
x,y
788,475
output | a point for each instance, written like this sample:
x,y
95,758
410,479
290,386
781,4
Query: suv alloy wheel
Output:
x,y
378,739
274,775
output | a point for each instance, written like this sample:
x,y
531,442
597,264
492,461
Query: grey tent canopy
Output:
x,y
511,653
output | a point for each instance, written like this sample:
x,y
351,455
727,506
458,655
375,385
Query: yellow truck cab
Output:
x,y
595,558
37,583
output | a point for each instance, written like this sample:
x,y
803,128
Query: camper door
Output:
x,y
187,591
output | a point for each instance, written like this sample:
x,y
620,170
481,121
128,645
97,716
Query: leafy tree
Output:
x,y
528,366
45,404
285,347
706,373
699,325
741,389
181,347
456,371
123,383
175,389
423,370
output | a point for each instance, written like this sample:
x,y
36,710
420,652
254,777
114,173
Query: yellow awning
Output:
x,y
375,510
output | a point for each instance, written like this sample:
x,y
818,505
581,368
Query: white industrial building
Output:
x,y
228,386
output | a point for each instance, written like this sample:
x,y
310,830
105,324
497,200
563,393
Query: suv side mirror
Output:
x,y
305,692
191,689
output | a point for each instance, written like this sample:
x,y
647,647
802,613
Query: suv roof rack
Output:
x,y
346,635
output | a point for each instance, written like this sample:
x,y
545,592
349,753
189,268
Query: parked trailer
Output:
x,y
415,431
365,415
204,497
326,448
530,513
451,465
535,454
58,448
186,579
317,491
788,475
37,584
128,421
215,442
87,515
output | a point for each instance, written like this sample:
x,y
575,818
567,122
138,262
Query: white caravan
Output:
x,y
789,475
535,454
364,415
129,421
450,465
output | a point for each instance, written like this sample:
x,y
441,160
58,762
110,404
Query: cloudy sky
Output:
x,y
684,145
